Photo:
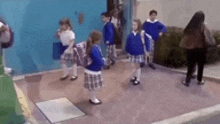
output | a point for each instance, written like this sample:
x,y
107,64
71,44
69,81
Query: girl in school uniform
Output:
x,y
135,47
93,72
67,37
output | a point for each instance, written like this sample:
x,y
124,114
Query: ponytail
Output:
x,y
89,46
94,39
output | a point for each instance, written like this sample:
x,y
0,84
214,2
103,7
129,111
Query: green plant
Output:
x,y
171,55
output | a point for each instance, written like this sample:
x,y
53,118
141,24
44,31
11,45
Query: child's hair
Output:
x,y
138,21
66,21
152,12
113,11
94,38
106,14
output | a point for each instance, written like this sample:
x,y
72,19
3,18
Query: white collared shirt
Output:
x,y
135,33
66,37
148,20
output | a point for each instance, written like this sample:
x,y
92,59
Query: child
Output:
x,y
109,38
155,29
67,37
135,48
93,72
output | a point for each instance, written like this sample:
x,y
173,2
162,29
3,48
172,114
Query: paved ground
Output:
x,y
159,96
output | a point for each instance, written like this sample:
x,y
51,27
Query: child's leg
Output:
x,y
65,68
107,55
114,50
93,97
74,69
138,72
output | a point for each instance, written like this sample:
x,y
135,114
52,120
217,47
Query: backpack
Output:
x,y
82,58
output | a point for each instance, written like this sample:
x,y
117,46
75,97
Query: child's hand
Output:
x,y
107,42
161,34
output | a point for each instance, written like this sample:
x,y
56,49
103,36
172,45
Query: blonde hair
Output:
x,y
66,21
94,38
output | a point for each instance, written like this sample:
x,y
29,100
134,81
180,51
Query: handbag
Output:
x,y
210,44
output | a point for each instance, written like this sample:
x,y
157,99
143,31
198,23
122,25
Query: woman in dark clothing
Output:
x,y
193,43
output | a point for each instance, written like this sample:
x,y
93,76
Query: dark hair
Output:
x,y
152,11
138,21
106,14
93,39
195,23
66,21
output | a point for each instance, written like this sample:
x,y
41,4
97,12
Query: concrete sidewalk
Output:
x,y
211,71
159,96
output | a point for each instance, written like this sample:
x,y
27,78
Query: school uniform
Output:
x,y
135,47
93,72
153,28
65,38
109,35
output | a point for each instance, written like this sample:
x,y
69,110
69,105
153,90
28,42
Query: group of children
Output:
x,y
139,43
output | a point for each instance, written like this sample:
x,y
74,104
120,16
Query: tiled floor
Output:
x,y
159,96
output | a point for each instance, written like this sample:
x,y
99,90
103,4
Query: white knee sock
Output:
x,y
93,96
74,69
65,69
138,74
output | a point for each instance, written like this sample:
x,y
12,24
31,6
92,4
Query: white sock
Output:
x,y
138,74
65,69
74,69
93,97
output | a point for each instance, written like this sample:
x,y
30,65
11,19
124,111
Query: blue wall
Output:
x,y
35,23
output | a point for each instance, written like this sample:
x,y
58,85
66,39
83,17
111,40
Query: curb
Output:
x,y
215,79
191,116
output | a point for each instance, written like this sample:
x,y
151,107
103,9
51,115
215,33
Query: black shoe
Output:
x,y
100,102
64,78
133,79
73,78
142,65
184,83
152,66
201,82
113,62
136,82
107,67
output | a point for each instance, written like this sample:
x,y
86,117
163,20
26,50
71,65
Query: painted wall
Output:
x,y
35,23
179,12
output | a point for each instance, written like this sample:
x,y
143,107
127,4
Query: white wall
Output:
x,y
179,12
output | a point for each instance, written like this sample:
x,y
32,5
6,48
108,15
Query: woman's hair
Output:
x,y
66,21
195,23
94,38
138,21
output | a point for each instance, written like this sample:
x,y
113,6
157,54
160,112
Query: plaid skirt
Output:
x,y
69,57
93,82
109,51
137,59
